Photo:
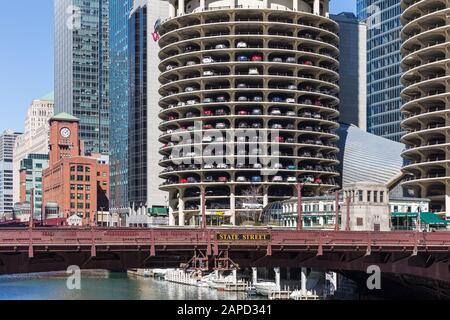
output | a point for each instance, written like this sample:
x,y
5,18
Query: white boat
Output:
x,y
265,288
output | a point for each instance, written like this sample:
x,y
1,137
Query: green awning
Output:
x,y
159,211
404,214
426,217
431,218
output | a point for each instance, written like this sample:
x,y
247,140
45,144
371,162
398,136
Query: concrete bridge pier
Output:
x,y
254,275
278,278
304,280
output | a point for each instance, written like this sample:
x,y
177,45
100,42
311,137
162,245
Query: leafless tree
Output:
x,y
252,201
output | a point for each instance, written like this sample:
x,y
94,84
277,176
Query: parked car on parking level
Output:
x,y
277,179
208,73
256,112
241,179
253,71
291,179
241,44
257,58
256,179
221,99
291,60
275,112
242,58
277,59
207,59
221,46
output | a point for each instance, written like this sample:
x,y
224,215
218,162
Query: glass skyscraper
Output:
x,y
119,11
383,66
81,68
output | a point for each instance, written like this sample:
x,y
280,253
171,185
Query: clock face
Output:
x,y
65,132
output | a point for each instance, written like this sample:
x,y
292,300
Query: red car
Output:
x,y
242,113
280,139
183,181
257,58
208,126
307,62
222,179
208,113
318,181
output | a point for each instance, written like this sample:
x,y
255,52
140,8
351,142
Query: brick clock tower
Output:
x,y
64,140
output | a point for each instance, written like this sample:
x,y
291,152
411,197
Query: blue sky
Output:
x,y
26,61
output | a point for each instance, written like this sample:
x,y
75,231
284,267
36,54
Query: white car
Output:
x,y
207,139
252,206
208,73
221,46
241,179
277,179
170,67
291,179
189,89
275,112
241,44
191,63
253,71
191,102
222,166
208,166
290,100
207,60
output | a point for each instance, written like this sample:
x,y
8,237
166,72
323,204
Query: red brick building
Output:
x,y
78,184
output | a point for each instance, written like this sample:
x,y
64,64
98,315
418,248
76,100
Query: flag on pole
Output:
x,y
156,36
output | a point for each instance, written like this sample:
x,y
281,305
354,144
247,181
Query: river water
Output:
x,y
103,285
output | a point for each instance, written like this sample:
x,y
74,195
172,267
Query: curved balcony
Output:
x,y
230,72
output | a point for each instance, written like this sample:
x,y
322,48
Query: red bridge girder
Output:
x,y
412,253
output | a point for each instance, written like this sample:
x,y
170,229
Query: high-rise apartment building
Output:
x,y
30,181
7,141
352,70
34,140
249,106
81,68
119,11
426,65
143,172
382,18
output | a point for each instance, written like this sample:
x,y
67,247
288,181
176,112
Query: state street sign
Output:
x,y
243,237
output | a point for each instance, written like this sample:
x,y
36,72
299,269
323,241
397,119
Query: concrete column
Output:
x,y
295,5
233,206
254,276
326,8
181,216
172,222
232,3
447,199
316,7
234,276
181,7
277,278
265,3
172,9
303,281
202,5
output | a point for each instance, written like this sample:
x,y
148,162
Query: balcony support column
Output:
x,y
172,9
181,7
181,216
316,7
202,5
295,5
233,206
326,8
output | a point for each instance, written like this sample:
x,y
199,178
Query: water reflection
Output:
x,y
103,285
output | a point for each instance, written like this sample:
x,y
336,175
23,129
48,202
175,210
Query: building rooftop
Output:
x,y
367,157
64,116
48,97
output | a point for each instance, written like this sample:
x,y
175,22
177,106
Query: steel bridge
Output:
x,y
417,254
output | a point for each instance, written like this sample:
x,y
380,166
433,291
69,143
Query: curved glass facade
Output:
x,y
383,66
